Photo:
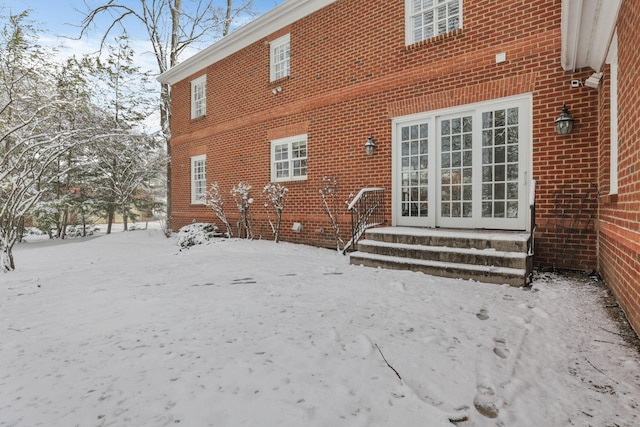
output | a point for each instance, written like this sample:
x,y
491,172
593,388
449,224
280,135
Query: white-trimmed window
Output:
x,y
430,18
289,158
198,179
280,53
199,97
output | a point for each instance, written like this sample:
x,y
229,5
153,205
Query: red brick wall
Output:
x,y
619,216
351,73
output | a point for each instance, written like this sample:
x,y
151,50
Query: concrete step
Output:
x,y
505,241
488,274
454,255
487,256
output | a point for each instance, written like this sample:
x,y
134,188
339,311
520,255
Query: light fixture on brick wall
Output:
x,y
370,145
564,123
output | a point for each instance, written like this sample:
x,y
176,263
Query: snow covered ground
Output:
x,y
126,330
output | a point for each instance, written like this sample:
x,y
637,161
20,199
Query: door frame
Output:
x,y
525,150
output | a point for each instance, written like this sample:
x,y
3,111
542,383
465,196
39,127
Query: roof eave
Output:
x,y
279,17
588,27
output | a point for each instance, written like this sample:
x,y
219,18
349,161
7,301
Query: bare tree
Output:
x,y
331,206
172,28
214,199
276,195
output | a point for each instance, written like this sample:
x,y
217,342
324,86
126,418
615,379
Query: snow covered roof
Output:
x,y
588,27
279,17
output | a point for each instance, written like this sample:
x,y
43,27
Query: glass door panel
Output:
x,y
456,167
415,169
500,163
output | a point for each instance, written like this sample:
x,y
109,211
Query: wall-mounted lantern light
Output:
x,y
370,145
564,123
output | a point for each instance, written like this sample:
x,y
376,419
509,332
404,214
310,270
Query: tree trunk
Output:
x,y
84,224
6,259
110,220
227,19
63,225
6,252
125,218
165,105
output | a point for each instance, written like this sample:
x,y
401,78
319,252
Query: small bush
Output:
x,y
74,231
198,233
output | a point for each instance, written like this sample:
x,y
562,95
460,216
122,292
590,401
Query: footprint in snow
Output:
x,y
485,401
501,349
482,314
243,281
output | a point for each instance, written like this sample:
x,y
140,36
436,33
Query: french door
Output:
x,y
464,168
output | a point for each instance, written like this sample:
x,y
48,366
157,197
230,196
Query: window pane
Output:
x,y
290,160
429,18
280,56
198,97
282,170
198,179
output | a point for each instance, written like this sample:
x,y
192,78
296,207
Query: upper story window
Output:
x,y
280,53
289,159
198,179
430,18
199,97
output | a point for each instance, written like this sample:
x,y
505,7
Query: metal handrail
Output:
x,y
531,244
367,210
532,208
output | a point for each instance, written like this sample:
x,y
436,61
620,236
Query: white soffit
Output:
x,y
279,17
587,29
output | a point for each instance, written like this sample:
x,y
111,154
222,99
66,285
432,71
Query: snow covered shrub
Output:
x,y
240,194
74,231
214,200
45,217
330,204
198,233
276,195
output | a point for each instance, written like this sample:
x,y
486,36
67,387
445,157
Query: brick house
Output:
x,y
460,98
603,37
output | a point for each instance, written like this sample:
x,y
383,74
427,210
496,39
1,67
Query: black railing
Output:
x,y
367,210
532,208
532,225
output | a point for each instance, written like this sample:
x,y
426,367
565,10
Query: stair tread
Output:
x,y
449,249
440,264
512,236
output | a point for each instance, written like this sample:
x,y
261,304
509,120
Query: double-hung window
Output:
x,y
280,53
430,18
198,179
289,159
199,97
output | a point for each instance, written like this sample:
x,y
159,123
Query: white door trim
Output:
x,y
525,102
